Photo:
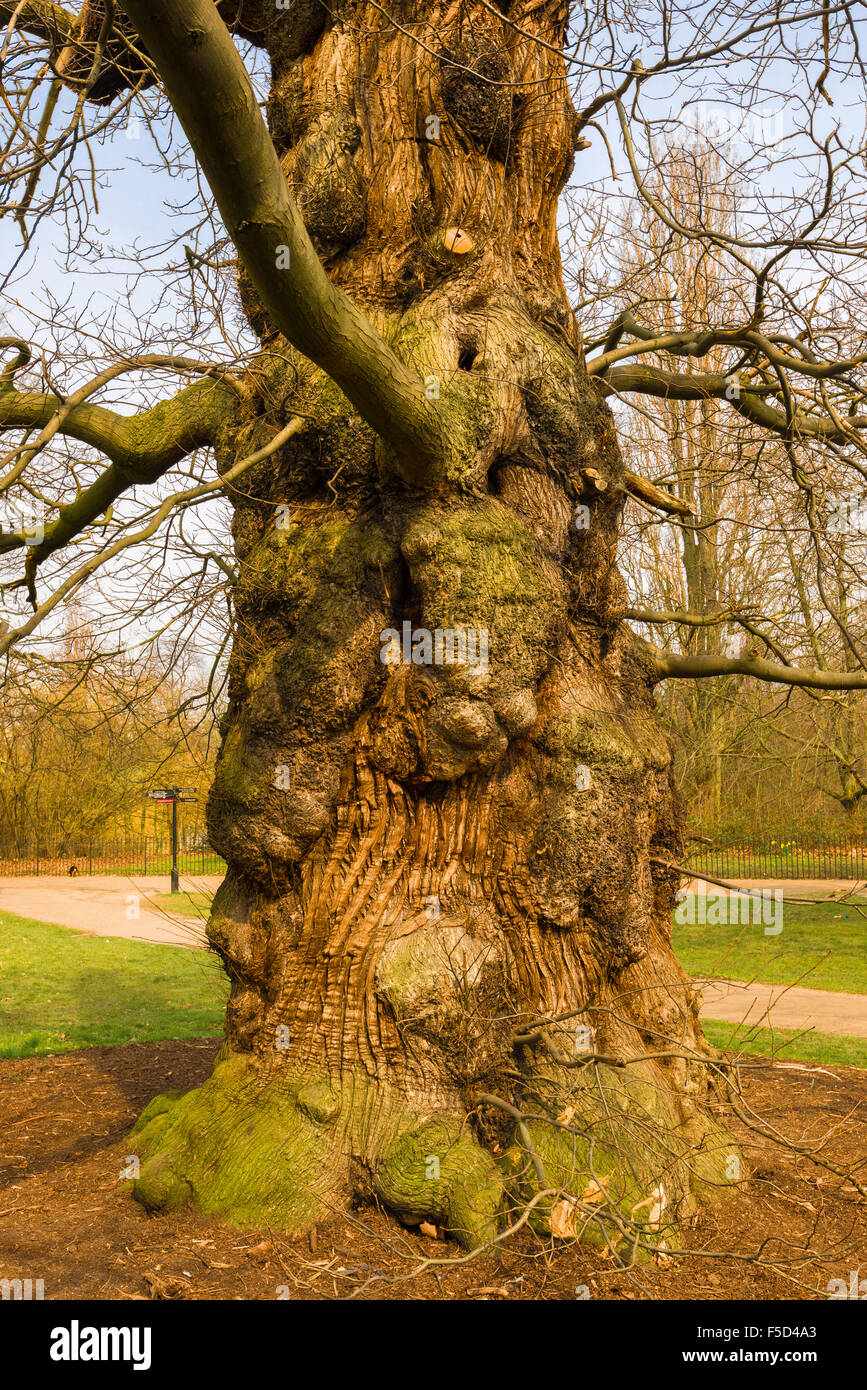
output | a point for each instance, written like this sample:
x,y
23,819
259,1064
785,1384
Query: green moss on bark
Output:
x,y
439,1171
623,1166
237,1148
281,1150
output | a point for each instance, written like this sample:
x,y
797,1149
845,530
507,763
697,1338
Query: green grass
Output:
x,y
184,904
821,946
788,1045
61,989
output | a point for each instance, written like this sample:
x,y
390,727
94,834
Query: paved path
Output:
x,y
108,905
779,1006
101,905
792,887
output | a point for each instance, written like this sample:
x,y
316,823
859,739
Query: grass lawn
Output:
x,y
787,1045
61,989
184,904
821,946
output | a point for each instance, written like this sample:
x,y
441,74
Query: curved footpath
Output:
x,y
107,905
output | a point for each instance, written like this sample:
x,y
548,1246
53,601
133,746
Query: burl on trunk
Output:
x,y
444,801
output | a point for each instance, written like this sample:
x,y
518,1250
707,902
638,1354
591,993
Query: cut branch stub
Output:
x,y
457,241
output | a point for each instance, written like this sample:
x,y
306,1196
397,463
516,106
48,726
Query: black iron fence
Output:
x,y
136,855
802,856
842,855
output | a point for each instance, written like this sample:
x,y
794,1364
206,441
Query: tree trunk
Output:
x,y
444,801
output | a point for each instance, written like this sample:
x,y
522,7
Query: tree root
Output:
x,y
600,1158
291,1150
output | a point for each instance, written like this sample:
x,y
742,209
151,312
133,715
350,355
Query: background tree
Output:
x,y
749,569
446,914
84,738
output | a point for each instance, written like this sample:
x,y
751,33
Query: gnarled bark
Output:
x,y
446,912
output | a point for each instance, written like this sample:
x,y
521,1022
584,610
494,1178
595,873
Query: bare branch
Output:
x,y
669,666
653,496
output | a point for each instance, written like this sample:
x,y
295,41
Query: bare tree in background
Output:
x,y
744,571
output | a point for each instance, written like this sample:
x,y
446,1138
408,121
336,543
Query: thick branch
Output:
x,y
40,18
652,496
672,667
70,39
686,386
146,444
177,501
663,616
657,617
210,90
141,447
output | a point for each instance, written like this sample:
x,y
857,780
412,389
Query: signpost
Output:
x,y
174,795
